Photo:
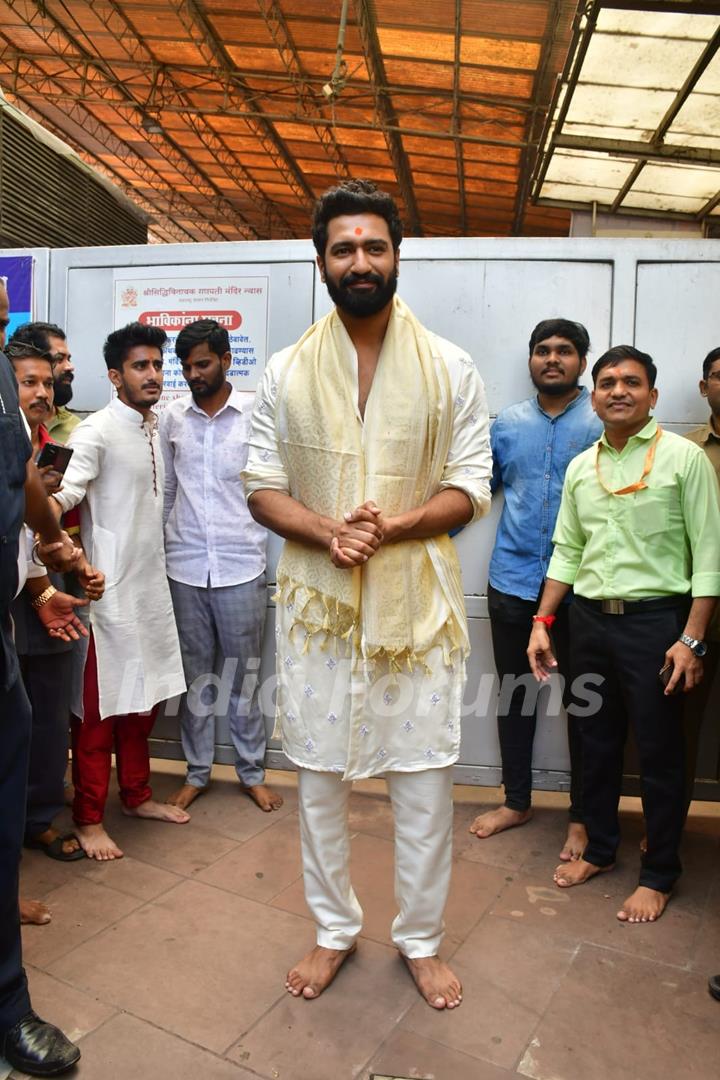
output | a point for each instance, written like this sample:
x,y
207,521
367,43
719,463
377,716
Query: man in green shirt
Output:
x,y
637,539
62,422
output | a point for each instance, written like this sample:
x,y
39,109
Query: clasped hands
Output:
x,y
359,536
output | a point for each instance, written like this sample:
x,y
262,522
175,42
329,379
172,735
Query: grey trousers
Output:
x,y
221,632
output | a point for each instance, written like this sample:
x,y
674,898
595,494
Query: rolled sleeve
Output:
x,y
469,464
265,469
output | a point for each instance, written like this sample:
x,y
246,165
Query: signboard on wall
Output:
x,y
172,299
16,272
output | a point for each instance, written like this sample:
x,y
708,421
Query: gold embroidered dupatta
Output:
x,y
407,598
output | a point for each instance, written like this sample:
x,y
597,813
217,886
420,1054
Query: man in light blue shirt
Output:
x,y
215,553
533,443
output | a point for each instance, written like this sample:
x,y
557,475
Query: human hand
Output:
x,y
51,478
685,663
357,537
60,555
91,580
539,652
59,619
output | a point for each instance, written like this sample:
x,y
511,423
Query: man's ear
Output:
x,y
226,361
115,377
703,388
321,266
583,365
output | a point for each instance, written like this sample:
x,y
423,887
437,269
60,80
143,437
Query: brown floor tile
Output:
x,y
80,910
263,866
625,1018
130,876
371,812
333,1037
706,950
407,1054
40,875
587,913
199,962
128,1049
181,849
75,1013
542,837
509,974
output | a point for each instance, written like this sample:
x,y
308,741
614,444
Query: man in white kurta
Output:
x,y
134,661
370,442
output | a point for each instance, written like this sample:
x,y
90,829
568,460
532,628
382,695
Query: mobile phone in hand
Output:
x,y
55,455
665,675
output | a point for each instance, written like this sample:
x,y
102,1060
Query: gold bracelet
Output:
x,y
43,598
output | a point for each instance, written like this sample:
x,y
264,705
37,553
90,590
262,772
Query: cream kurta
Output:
x,y
336,711
116,474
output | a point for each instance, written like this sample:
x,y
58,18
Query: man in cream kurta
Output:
x,y
134,661
369,443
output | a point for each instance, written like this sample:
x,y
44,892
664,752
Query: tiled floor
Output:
x,y
169,964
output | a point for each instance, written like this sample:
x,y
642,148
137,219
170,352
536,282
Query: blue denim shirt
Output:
x,y
531,452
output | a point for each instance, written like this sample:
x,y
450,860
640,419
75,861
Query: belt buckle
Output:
x,y
613,607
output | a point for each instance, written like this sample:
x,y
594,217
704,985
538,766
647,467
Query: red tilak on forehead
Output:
x,y
358,231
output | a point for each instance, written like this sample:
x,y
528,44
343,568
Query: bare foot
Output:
x,y
157,811
264,797
35,912
435,981
185,795
645,905
316,971
96,843
575,843
578,872
495,821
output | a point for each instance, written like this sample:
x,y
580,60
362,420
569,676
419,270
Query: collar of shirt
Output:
x,y
234,401
581,397
705,433
646,433
43,436
132,416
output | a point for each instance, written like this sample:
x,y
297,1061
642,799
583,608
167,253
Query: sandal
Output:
x,y
54,850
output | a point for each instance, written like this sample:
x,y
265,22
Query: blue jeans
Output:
x,y
221,632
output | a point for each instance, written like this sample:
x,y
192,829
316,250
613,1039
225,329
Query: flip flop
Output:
x,y
54,850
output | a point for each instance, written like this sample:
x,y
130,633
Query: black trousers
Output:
x,y
510,626
14,752
47,678
626,652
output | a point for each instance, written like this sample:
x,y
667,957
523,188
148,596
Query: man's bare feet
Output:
x,y
496,821
263,796
316,971
96,843
645,905
577,872
157,811
34,912
185,795
575,843
435,981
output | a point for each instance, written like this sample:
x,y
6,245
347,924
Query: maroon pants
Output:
x,y
92,747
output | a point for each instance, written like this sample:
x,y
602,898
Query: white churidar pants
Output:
x,y
423,810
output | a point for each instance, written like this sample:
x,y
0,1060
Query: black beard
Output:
x,y
361,304
210,389
63,392
556,389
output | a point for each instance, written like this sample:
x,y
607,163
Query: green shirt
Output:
x,y
706,438
661,541
62,423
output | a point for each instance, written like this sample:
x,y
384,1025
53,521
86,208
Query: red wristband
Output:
x,y
547,619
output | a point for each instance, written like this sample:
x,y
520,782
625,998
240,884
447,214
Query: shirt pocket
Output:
x,y
651,515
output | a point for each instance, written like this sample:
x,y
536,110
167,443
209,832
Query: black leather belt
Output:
x,y
633,607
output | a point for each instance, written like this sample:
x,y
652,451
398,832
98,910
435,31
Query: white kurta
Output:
x,y
337,712
116,475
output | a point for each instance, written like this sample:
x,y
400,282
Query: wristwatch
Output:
x,y
698,647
